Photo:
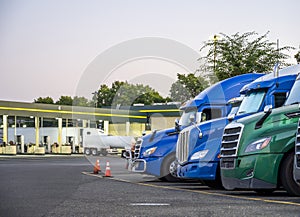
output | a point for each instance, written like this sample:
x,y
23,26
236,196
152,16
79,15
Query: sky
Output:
x,y
47,46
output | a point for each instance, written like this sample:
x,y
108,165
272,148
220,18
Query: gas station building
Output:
x,y
34,128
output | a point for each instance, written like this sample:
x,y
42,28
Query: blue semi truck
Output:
x,y
199,157
154,154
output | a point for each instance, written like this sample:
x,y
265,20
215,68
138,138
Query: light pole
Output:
x,y
95,98
215,51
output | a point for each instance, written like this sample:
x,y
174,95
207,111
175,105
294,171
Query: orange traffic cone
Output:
x,y
97,167
107,170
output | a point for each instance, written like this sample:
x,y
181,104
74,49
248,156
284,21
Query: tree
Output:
x,y
123,93
65,100
242,53
147,95
45,100
104,96
187,87
80,101
297,56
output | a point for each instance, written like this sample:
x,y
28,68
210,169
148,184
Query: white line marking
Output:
x,y
149,204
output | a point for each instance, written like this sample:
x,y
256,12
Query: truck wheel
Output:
x,y
169,169
104,152
87,151
94,152
287,177
217,183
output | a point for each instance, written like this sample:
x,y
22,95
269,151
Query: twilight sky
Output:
x,y
46,46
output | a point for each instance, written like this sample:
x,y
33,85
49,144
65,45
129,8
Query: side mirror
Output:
x,y
268,108
126,154
177,128
192,118
231,117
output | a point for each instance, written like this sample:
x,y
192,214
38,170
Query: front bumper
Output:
x,y
252,172
151,166
251,183
198,170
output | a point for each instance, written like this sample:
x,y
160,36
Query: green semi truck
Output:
x,y
257,152
297,156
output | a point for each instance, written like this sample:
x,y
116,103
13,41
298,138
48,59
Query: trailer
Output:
x,y
96,142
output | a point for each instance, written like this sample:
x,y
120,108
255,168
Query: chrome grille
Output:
x,y
298,146
137,148
229,146
182,148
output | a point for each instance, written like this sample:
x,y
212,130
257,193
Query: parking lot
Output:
x,y
65,186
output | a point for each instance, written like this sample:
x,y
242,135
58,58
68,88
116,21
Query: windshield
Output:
x,y
252,102
294,96
186,115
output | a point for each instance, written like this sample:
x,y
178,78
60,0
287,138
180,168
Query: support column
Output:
x,y
5,129
59,138
106,127
84,123
37,131
127,128
15,129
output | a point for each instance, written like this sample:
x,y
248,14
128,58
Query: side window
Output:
x,y
210,114
279,99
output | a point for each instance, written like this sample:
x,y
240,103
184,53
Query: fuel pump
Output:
x,y
71,142
46,144
19,140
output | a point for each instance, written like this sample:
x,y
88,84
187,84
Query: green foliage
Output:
x,y
104,96
242,53
187,87
123,93
65,100
80,101
297,56
45,100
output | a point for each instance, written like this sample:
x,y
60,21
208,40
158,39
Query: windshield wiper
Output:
x,y
294,103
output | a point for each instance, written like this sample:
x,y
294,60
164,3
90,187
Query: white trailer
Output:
x,y
95,141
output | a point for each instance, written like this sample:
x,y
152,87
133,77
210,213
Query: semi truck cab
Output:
x,y
257,152
199,157
154,154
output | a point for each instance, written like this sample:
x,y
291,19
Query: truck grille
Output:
x,y
298,146
137,148
182,148
229,146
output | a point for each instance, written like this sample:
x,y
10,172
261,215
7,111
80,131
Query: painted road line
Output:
x,y
209,193
149,204
91,174
223,195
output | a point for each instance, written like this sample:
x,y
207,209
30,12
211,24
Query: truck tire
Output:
x,y
94,152
287,177
217,183
87,151
169,169
103,152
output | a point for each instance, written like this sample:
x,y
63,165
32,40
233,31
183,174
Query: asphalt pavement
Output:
x,y
65,186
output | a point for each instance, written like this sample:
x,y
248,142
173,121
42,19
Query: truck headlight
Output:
x,y
199,155
258,145
149,151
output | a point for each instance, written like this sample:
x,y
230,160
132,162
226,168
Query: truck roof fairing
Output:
x,y
216,93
